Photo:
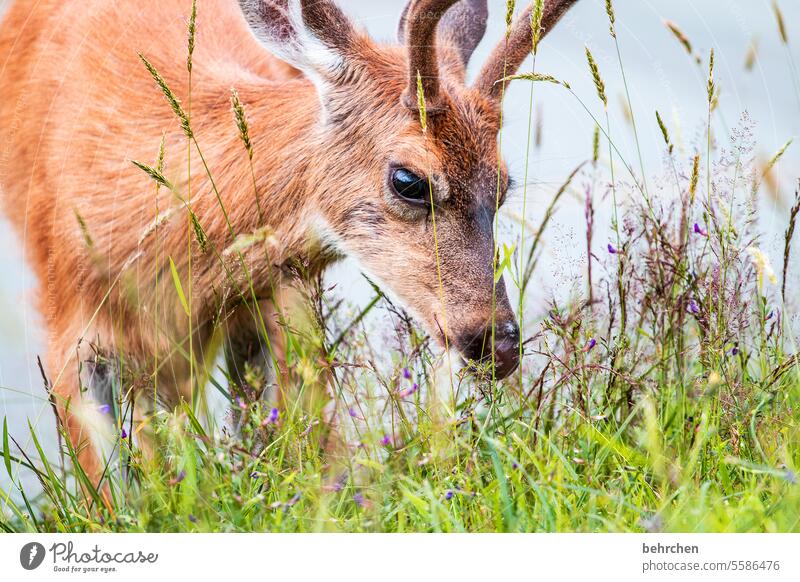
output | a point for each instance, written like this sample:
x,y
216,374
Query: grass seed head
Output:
x,y
170,96
536,78
695,176
611,18
162,151
155,174
423,115
664,132
751,56
510,5
682,38
87,237
199,233
781,22
711,87
241,122
192,34
598,80
536,23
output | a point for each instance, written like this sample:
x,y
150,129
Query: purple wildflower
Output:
x,y
406,373
354,413
386,440
180,477
514,465
612,249
359,499
693,307
409,392
734,351
240,403
771,314
699,230
273,416
449,494
124,433
192,518
104,409
590,345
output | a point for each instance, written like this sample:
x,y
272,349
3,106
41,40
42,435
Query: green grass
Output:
x,y
671,402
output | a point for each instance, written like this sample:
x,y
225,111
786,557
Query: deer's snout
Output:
x,y
477,346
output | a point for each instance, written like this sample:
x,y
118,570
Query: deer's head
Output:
x,y
410,177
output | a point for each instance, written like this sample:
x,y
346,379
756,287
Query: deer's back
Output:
x,y
77,103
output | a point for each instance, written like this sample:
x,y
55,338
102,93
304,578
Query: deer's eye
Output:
x,y
410,188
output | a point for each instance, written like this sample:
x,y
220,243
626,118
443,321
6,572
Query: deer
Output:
x,y
382,152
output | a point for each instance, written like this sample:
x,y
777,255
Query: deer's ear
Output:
x,y
462,27
313,36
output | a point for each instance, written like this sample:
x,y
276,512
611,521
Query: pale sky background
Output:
x,y
660,76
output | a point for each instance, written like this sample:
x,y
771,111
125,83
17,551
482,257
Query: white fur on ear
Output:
x,y
279,26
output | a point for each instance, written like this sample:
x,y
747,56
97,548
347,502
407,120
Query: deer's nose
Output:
x,y
477,346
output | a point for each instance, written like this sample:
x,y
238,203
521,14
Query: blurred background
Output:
x,y
753,71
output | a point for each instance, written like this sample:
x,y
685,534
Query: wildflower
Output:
x,y
409,391
104,409
515,465
762,266
449,494
123,433
295,498
699,230
192,518
240,403
386,440
354,413
734,351
771,314
406,373
359,499
693,307
180,477
791,477
590,345
273,416
612,249
309,428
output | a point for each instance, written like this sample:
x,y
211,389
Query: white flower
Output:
x,y
762,265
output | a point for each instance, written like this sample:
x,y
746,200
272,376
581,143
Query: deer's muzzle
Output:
x,y
482,347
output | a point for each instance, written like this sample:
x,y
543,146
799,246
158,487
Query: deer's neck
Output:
x,y
259,211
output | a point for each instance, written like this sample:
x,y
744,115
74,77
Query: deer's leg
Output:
x,y
256,361
87,421
248,349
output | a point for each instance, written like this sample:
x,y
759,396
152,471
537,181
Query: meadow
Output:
x,y
662,395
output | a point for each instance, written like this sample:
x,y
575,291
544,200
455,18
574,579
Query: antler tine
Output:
x,y
421,23
509,55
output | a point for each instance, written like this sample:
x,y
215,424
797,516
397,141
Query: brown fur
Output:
x,y
77,105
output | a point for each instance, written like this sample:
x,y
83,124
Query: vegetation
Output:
x,y
663,397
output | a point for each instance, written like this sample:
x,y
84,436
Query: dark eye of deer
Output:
x,y
410,187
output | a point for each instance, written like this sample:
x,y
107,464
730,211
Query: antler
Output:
x,y
508,56
421,21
